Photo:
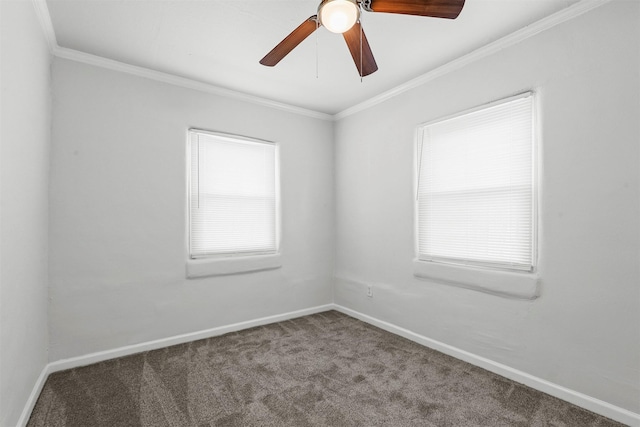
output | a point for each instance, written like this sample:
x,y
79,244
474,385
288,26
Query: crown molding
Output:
x,y
44,17
42,11
99,61
529,31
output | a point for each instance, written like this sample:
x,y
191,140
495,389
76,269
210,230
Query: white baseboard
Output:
x,y
100,356
33,397
579,399
75,362
574,397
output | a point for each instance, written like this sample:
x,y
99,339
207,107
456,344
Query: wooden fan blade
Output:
x,y
368,64
296,37
449,9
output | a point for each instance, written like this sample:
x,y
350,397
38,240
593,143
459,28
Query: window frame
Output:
x,y
478,265
236,257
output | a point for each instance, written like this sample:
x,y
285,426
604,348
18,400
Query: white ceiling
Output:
x,y
220,43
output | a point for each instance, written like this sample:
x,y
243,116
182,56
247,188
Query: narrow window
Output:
x,y
476,195
233,203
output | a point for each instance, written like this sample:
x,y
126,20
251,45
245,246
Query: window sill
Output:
x,y
225,266
503,283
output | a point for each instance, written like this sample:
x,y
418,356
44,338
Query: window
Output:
x,y
476,195
233,196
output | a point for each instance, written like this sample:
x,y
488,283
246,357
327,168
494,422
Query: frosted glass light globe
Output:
x,y
338,16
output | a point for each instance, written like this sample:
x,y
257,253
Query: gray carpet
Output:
x,y
327,369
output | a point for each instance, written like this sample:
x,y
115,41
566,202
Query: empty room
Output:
x,y
319,213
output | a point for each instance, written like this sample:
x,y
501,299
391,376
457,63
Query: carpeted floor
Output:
x,y
327,369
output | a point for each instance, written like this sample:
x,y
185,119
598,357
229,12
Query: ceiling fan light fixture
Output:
x,y
338,16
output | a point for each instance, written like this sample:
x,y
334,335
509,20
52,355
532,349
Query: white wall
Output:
x,y
24,168
118,212
116,233
584,330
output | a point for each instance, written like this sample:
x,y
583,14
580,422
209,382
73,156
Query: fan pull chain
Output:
x,y
317,54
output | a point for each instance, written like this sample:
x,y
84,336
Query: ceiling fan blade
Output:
x,y
296,37
366,64
435,8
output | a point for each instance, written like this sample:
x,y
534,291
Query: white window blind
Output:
x,y
233,196
476,195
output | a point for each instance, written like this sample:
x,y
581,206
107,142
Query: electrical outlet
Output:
x,y
370,291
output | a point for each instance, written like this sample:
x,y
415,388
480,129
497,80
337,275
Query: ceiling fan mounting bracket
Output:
x,y
365,5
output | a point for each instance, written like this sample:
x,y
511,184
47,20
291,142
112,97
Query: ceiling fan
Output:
x,y
343,17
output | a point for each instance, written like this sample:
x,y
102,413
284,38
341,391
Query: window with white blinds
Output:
x,y
232,195
476,195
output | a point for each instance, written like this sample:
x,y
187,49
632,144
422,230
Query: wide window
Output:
x,y
233,189
476,195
